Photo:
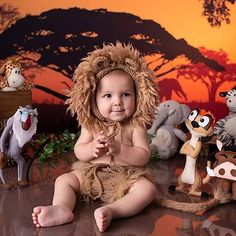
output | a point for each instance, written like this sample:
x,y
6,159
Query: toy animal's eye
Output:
x,y
193,115
204,121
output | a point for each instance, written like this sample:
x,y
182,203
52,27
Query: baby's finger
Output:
x,y
100,145
109,144
110,151
103,140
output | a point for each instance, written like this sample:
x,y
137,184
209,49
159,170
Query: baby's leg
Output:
x,y
142,193
64,199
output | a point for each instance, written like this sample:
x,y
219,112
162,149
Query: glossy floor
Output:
x,y
16,208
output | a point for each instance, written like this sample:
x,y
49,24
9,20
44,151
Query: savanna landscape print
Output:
x,y
189,45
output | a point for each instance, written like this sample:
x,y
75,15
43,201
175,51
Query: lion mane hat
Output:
x,y
94,67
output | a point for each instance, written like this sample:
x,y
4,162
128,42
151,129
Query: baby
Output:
x,y
114,98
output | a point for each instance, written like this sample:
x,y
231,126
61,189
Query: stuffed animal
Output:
x,y
165,129
225,129
223,166
200,125
12,74
19,130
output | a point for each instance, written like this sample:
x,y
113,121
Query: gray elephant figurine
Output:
x,y
19,130
165,129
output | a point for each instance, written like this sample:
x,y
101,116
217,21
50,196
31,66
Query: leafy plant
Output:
x,y
58,144
154,156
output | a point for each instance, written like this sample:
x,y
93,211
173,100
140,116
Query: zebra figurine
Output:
x,y
225,129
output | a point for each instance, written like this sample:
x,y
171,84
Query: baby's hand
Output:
x,y
99,145
113,146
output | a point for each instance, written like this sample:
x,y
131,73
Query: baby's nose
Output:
x,y
117,101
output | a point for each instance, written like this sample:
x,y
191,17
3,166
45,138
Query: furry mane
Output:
x,y
101,62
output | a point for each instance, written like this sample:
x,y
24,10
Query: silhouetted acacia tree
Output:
x,y
217,11
209,77
59,38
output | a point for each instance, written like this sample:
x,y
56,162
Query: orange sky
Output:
x,y
182,18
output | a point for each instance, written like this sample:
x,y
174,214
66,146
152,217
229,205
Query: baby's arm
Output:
x,y
139,153
87,147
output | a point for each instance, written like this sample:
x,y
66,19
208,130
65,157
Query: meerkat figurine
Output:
x,y
200,125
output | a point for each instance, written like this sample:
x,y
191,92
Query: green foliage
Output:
x,y
58,144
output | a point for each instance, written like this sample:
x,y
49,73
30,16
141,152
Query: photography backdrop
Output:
x,y
193,55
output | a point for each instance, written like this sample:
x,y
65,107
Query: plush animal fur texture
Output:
x,y
225,128
13,79
19,130
165,131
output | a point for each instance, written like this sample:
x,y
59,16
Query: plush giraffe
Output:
x,y
12,75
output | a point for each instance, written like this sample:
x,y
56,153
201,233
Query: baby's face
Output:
x,y
115,96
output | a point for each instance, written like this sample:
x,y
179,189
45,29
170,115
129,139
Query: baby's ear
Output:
x,y
206,139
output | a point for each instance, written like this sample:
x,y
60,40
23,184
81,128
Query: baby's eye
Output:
x,y
126,94
108,95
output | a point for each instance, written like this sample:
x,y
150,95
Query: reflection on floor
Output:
x,y
16,207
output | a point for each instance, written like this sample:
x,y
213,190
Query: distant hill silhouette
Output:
x,y
62,37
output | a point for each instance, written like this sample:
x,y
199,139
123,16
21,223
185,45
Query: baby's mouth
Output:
x,y
119,110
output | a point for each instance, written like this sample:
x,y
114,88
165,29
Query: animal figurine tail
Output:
x,y
220,197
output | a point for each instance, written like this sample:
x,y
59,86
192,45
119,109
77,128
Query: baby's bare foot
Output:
x,y
103,217
45,216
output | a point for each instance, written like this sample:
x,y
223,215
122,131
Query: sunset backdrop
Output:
x,y
198,85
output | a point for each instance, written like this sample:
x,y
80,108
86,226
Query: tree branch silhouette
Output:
x,y
62,48
9,15
217,11
50,91
209,77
